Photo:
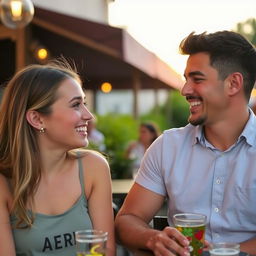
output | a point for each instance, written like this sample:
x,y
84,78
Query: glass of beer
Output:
x,y
224,249
192,226
91,242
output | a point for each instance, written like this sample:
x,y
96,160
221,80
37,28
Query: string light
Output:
x,y
42,53
106,87
16,13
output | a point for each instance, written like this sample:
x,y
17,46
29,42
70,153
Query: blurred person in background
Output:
x,y
95,137
148,132
49,187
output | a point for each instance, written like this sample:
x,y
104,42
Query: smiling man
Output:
x,y
208,166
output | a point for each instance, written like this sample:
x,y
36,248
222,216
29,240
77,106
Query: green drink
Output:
x,y
192,226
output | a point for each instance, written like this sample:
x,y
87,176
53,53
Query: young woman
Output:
x,y
148,132
48,187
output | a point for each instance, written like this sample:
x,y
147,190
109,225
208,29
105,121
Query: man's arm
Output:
x,y
134,232
249,246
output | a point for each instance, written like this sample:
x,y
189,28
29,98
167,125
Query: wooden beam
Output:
x,y
136,87
20,49
7,33
77,38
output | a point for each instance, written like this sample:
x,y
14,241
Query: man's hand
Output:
x,y
169,242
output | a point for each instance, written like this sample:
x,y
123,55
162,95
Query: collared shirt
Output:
x,y
197,177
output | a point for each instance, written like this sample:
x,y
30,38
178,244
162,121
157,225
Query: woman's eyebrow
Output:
x,y
76,98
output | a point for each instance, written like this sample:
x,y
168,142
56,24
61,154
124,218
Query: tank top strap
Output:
x,y
81,175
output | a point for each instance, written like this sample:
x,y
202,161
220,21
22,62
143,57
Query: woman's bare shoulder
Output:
x,y
95,164
95,158
93,161
90,155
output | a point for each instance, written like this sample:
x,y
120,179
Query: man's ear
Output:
x,y
235,83
34,119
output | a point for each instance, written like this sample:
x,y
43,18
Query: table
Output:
x,y
120,188
149,253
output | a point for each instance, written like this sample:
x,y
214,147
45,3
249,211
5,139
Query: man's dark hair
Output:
x,y
229,52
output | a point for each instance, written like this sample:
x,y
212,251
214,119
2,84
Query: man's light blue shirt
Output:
x,y
196,177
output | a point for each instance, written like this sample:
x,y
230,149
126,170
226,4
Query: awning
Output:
x,y
101,52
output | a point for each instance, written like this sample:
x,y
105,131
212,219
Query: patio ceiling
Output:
x,y
101,52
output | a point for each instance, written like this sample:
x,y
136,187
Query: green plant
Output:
x,y
172,113
247,29
118,130
158,116
178,109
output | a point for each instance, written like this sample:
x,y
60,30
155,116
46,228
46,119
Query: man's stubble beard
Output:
x,y
199,121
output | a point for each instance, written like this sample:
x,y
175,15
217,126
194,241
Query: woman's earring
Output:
x,y
42,130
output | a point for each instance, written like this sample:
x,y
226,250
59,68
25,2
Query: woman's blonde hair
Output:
x,y
33,88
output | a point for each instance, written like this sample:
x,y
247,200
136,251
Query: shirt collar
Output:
x,y
199,135
249,132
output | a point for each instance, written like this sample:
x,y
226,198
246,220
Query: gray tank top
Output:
x,y
54,234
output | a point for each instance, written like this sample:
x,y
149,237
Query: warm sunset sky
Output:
x,y
160,25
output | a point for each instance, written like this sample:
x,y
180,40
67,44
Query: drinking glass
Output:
x,y
91,242
224,249
192,225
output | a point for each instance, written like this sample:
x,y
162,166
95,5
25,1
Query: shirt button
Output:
x,y
218,181
216,209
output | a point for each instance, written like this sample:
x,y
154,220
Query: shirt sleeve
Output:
x,y
149,174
